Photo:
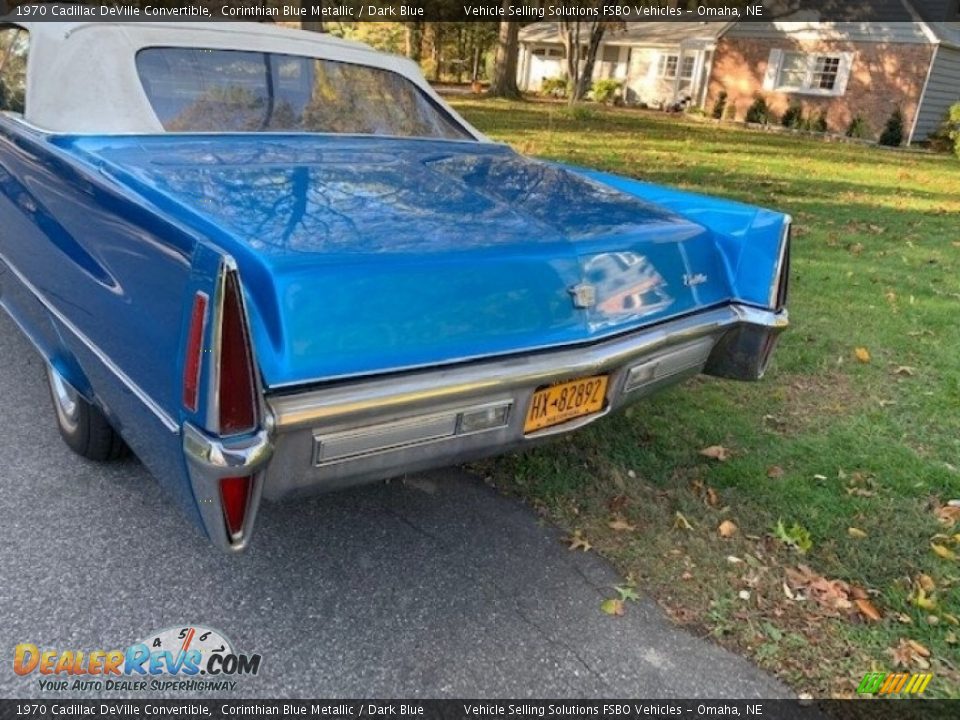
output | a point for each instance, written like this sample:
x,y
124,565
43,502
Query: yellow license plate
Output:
x,y
566,401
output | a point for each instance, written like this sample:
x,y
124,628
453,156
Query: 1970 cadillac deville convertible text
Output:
x,y
272,262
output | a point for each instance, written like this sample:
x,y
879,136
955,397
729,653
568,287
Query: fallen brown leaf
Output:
x,y
830,595
918,648
856,533
909,652
905,370
775,472
621,525
712,498
862,354
716,452
926,582
948,514
727,529
868,610
578,542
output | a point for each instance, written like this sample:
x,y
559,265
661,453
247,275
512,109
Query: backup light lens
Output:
x,y
481,419
640,375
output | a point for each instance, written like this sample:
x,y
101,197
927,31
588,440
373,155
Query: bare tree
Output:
x,y
504,81
581,41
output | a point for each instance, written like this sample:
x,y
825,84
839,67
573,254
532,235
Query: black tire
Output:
x,y
83,426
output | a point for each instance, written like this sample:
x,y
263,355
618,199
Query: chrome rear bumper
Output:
x,y
357,431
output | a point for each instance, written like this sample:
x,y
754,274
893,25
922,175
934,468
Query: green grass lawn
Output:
x,y
826,441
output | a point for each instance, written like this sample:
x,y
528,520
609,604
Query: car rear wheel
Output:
x,y
83,426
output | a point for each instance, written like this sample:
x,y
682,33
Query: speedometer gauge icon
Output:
x,y
180,640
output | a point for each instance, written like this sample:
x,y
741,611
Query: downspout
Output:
x,y
923,95
703,77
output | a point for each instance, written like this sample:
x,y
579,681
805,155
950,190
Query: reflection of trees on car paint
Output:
x,y
358,196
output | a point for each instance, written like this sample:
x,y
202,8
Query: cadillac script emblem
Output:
x,y
584,295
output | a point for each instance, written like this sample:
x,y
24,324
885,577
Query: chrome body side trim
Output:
x,y
154,407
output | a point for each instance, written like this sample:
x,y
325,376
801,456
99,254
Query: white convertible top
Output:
x,y
82,76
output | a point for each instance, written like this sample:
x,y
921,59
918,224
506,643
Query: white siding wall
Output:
x,y
943,90
644,83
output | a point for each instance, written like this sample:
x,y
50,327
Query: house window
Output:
x,y
825,71
548,52
801,72
667,67
14,46
686,67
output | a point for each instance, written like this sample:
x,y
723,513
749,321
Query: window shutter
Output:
x,y
773,69
843,73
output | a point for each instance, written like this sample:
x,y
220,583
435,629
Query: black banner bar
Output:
x,y
525,11
874,709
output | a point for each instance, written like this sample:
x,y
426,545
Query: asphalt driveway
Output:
x,y
434,586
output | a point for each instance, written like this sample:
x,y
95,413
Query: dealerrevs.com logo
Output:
x,y
182,659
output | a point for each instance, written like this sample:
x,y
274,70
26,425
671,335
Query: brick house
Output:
x,y
847,69
910,60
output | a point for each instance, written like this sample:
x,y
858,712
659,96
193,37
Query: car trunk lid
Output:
x,y
371,255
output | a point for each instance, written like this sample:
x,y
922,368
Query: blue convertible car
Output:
x,y
271,263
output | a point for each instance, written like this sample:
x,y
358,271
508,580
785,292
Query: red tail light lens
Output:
x,y
237,389
234,494
192,361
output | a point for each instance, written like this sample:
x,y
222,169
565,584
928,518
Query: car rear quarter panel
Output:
x,y
98,281
748,237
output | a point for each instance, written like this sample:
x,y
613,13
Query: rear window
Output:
x,y
14,46
200,90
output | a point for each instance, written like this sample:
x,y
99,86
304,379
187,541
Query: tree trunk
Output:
x,y
504,83
311,25
580,74
437,50
413,38
586,76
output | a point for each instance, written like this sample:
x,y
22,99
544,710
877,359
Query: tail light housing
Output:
x,y
237,400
